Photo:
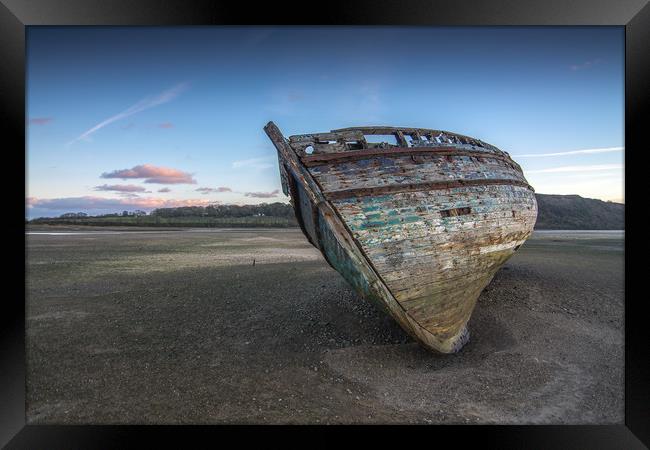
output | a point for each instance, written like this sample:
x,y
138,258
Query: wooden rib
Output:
x,y
391,130
393,188
409,130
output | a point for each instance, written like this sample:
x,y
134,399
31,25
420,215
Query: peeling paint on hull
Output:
x,y
419,227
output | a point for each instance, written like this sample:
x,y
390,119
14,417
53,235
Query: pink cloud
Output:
x,y
94,203
152,174
263,194
164,190
129,194
40,120
166,125
120,188
169,180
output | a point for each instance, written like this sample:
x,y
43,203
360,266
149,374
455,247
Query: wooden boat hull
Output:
x,y
419,228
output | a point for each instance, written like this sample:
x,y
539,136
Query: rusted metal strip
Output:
x,y
393,188
325,158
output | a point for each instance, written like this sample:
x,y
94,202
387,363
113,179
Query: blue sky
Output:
x,y
115,115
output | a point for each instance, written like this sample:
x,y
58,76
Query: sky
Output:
x,y
125,118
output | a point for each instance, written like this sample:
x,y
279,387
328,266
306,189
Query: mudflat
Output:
x,y
133,325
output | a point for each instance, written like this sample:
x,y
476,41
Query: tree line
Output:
x,y
276,209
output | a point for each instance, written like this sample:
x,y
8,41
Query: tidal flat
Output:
x,y
215,326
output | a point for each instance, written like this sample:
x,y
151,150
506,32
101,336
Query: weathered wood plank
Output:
x,y
447,150
351,135
410,169
422,254
428,186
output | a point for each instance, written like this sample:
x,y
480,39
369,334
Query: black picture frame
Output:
x,y
15,15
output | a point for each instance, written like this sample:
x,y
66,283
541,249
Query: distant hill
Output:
x,y
572,212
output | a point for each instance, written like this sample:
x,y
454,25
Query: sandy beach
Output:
x,y
132,325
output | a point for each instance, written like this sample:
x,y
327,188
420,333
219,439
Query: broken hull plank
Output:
x,y
419,230
395,171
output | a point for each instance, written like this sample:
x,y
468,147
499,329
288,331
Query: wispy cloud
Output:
x,y
40,120
587,151
152,174
208,190
120,188
284,101
264,162
370,105
263,194
256,37
164,190
166,125
140,106
591,168
295,96
585,65
361,102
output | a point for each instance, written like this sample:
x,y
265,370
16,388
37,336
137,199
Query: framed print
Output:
x,y
380,214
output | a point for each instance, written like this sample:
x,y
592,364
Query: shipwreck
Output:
x,y
416,220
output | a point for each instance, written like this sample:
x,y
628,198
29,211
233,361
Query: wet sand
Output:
x,y
178,326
